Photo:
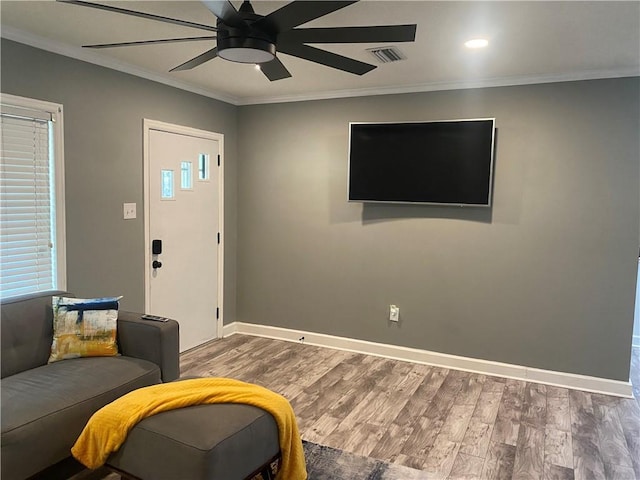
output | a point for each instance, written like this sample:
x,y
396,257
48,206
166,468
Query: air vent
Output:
x,y
387,54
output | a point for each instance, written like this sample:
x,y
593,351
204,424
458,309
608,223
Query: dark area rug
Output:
x,y
326,463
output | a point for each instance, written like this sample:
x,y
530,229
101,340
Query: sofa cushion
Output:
x,y
45,409
27,331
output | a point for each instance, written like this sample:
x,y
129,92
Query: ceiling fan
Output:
x,y
246,37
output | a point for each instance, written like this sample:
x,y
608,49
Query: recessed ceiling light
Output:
x,y
477,43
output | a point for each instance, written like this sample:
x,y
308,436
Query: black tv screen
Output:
x,y
444,162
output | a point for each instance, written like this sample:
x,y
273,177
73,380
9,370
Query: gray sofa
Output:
x,y
45,406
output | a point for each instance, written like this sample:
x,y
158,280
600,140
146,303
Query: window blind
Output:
x,y
27,206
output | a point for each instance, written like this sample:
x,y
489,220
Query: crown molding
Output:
x,y
451,85
67,50
60,48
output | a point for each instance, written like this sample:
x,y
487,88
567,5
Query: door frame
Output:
x,y
149,125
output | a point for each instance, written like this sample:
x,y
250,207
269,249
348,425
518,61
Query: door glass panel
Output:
x,y
167,184
203,167
186,175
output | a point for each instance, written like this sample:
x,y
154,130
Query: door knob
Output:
x,y
156,264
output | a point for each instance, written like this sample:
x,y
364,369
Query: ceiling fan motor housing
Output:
x,y
246,44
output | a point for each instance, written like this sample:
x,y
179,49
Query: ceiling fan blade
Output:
x,y
199,60
149,42
329,59
299,12
225,11
274,70
379,34
148,16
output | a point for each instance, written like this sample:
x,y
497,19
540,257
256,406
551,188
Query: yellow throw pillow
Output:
x,y
84,327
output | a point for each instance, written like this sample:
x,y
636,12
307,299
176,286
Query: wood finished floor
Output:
x,y
635,372
456,425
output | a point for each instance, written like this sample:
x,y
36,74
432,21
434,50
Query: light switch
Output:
x,y
129,211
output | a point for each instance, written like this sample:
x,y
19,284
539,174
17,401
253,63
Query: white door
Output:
x,y
183,222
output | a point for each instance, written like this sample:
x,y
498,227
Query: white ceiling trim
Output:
x,y
460,85
67,50
94,58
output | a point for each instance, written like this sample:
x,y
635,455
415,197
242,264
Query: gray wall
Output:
x,y
546,278
104,110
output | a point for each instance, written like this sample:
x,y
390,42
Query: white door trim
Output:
x,y
149,125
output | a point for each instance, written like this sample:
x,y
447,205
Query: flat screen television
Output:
x,y
445,162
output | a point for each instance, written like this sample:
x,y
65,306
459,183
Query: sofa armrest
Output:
x,y
157,342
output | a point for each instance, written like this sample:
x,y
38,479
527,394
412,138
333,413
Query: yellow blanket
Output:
x,y
107,429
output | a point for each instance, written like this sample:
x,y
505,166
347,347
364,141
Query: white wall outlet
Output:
x,y
394,313
129,211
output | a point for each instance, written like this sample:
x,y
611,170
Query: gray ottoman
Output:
x,y
219,441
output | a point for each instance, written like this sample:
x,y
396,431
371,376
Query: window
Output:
x,y
203,166
166,178
186,178
32,232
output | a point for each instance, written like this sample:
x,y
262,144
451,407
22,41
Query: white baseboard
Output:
x,y
230,329
485,367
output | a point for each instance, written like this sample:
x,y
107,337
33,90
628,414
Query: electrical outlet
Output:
x,y
394,313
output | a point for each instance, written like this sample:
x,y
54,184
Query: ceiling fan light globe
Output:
x,y
246,50
246,55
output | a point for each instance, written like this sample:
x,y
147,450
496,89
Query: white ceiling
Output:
x,y
530,42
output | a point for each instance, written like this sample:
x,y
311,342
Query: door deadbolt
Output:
x,y
156,247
